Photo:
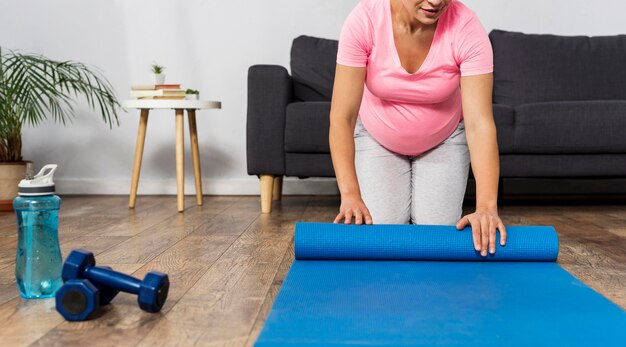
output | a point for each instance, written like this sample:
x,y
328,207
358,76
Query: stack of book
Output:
x,y
158,91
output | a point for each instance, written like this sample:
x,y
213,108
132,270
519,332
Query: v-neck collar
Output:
x,y
396,55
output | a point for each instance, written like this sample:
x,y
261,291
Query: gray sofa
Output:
x,y
559,107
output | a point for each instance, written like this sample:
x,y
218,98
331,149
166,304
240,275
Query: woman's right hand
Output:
x,y
353,207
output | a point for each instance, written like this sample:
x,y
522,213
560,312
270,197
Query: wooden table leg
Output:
x,y
141,137
180,159
195,154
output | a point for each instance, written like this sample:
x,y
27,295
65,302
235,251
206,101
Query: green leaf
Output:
x,y
34,88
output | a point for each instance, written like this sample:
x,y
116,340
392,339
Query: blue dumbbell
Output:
x,y
152,291
76,300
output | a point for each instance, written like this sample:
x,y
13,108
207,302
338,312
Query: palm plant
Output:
x,y
34,88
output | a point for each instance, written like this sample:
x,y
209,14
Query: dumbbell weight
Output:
x,y
76,300
106,293
152,291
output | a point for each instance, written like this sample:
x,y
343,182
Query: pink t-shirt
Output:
x,y
412,113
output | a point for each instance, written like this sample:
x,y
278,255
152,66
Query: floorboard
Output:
x,y
227,261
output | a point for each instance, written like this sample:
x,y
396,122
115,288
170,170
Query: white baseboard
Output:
x,y
245,186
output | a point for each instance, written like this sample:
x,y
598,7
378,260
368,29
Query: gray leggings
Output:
x,y
423,189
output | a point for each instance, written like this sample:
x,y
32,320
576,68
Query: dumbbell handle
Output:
x,y
114,279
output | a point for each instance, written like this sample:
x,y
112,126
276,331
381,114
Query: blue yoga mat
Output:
x,y
418,242
408,285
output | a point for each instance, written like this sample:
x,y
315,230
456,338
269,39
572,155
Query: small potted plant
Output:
x,y
158,75
192,94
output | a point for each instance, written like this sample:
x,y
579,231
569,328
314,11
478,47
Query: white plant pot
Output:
x,y
159,78
192,96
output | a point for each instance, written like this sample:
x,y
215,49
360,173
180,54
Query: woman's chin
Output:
x,y
426,20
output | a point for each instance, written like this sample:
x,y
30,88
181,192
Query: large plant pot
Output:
x,y
10,176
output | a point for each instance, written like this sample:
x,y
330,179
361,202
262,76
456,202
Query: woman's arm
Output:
x,y
344,110
483,146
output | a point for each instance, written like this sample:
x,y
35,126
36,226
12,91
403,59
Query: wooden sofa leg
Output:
x,y
267,183
277,193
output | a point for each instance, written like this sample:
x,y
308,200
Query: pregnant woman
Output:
x,y
411,108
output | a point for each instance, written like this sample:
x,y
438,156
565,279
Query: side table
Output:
x,y
179,106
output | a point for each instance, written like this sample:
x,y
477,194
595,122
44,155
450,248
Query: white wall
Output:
x,y
206,45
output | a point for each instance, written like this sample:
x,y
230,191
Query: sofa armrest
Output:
x,y
270,89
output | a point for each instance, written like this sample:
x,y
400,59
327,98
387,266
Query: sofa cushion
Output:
x,y
306,127
313,62
504,116
537,68
571,127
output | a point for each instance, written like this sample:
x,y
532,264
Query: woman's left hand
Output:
x,y
484,224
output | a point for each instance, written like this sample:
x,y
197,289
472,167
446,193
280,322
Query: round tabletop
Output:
x,y
171,104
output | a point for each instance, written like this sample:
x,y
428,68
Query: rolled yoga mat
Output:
x,y
412,285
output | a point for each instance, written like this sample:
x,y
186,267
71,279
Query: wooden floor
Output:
x,y
226,263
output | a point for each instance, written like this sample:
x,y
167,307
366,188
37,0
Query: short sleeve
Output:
x,y
473,49
355,40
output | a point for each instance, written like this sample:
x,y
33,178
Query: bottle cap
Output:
x,y
41,184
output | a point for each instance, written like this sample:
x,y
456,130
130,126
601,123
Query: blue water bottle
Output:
x,y
38,261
